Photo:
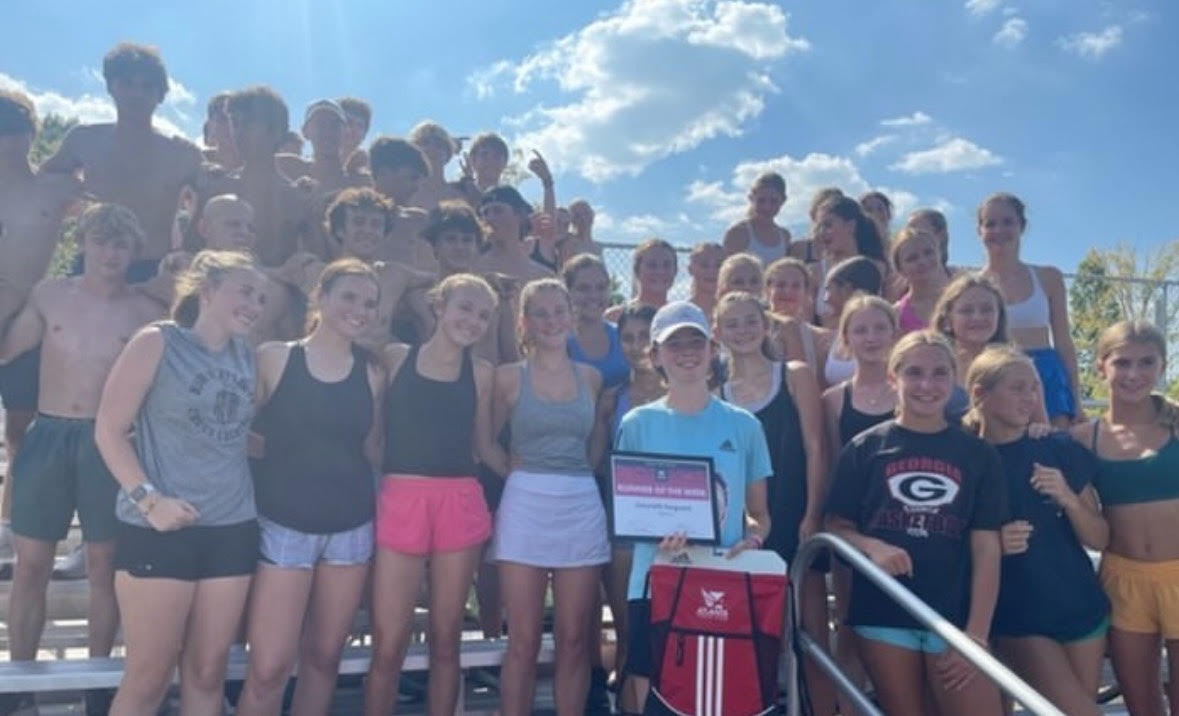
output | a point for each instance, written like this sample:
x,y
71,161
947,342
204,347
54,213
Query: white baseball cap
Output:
x,y
324,105
677,315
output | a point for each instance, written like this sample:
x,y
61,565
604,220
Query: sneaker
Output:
x,y
485,677
597,699
71,566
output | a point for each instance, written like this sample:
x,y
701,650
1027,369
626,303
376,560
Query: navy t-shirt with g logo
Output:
x,y
924,493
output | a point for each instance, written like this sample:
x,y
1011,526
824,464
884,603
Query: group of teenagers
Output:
x,y
276,389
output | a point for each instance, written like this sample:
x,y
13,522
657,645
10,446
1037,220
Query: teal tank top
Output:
x,y
1152,478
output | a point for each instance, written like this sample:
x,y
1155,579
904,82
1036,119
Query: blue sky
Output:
x,y
660,112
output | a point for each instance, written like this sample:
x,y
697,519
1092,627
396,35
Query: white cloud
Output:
x,y
805,176
950,155
644,225
653,78
179,95
1012,33
978,8
913,120
863,149
90,108
483,81
1093,45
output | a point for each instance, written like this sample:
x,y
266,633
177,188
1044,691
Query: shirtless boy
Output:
x,y
455,235
359,115
506,214
282,212
580,237
218,135
437,146
226,223
31,209
357,222
129,162
82,324
324,125
487,159
398,169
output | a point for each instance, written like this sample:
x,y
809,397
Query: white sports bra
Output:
x,y
767,254
838,369
1032,312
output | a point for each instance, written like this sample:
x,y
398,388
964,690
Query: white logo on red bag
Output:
x,y
714,606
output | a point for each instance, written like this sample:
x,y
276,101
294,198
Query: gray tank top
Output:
x,y
190,433
549,436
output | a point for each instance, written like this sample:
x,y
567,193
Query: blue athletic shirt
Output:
x,y
731,436
1051,589
613,366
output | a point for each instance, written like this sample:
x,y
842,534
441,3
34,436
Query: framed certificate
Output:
x,y
659,495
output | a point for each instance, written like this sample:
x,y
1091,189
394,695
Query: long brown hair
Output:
x,y
950,295
331,274
1143,333
208,270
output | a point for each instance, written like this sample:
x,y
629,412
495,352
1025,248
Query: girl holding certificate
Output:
x,y
691,421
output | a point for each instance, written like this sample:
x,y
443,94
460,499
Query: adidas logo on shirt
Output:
x,y
727,446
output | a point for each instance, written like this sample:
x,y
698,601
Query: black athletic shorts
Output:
x,y
189,554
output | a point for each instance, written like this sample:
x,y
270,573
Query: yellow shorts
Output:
x,y
1144,595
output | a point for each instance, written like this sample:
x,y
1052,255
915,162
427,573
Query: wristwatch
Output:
x,y
141,491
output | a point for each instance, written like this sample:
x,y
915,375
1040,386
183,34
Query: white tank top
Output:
x,y
767,254
1032,312
838,369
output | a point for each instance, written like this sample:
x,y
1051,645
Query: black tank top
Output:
x,y
315,477
852,422
786,490
430,424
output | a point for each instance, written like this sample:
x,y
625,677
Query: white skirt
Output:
x,y
550,521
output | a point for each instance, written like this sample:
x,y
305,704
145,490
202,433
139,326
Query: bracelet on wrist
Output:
x,y
755,540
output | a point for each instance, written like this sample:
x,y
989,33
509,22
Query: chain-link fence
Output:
x,y
1096,300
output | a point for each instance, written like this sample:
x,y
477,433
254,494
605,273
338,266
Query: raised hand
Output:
x,y
538,166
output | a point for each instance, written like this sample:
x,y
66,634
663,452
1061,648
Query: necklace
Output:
x,y
876,400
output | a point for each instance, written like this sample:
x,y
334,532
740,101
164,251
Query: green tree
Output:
x,y
1092,307
1119,283
53,130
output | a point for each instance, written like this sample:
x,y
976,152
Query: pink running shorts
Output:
x,y
424,515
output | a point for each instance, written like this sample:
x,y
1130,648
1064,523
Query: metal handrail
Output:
x,y
919,610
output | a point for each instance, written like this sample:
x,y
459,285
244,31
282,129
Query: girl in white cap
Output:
x,y
690,420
